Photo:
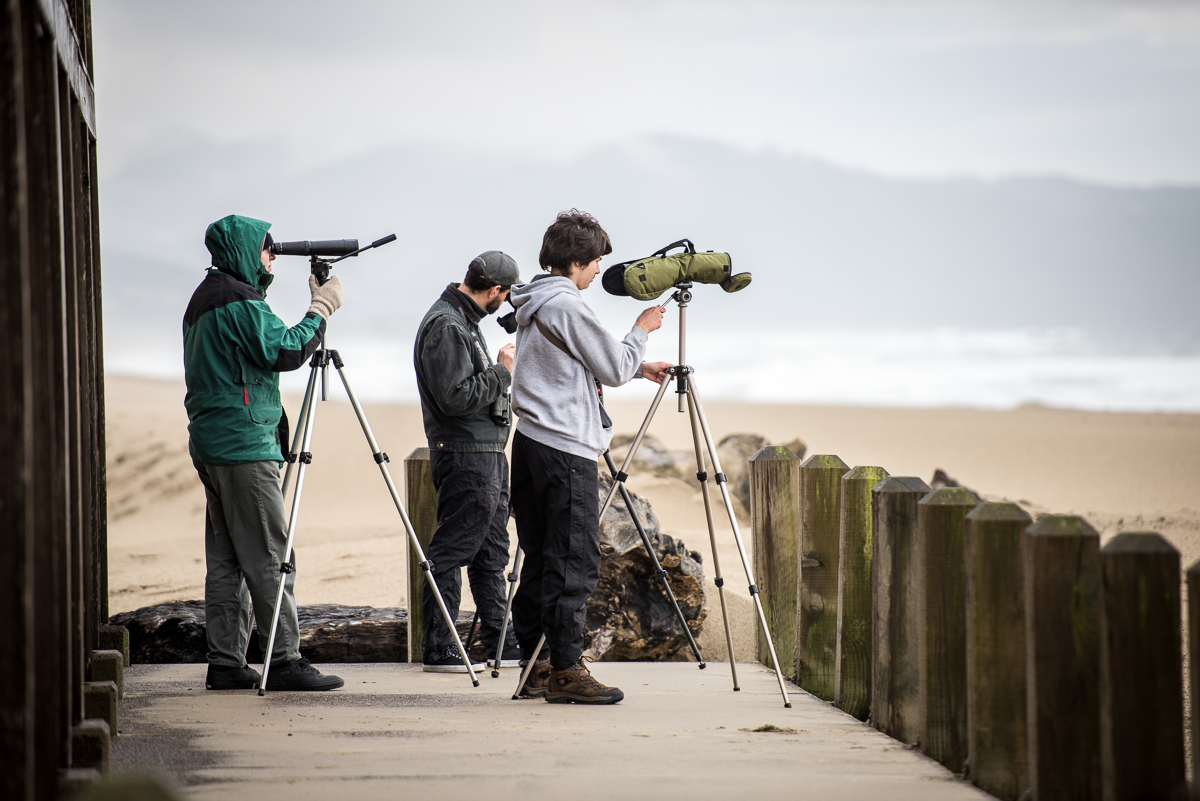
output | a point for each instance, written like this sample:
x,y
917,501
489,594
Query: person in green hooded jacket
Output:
x,y
234,348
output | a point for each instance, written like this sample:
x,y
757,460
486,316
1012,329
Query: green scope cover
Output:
x,y
648,278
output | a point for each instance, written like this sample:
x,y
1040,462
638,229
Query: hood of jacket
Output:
x,y
235,243
528,298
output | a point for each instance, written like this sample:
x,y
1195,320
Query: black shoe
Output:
x,y
510,658
226,677
448,661
298,674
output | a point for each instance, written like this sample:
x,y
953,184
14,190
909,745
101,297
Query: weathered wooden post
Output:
x,y
1193,585
895,677
996,703
942,624
775,521
1141,669
852,659
421,500
816,618
1062,657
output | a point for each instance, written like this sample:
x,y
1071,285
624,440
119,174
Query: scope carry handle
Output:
x,y
686,244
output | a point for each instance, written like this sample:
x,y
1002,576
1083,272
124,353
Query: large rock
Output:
x,y
175,633
630,616
653,458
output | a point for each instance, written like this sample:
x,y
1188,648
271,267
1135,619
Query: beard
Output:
x,y
494,305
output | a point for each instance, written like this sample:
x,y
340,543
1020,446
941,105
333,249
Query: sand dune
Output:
x,y
1121,471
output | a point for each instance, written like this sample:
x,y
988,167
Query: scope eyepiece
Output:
x,y
321,247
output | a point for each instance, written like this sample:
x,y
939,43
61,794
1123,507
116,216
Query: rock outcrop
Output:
x,y
629,616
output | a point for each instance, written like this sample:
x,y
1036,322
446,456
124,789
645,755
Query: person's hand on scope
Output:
x,y
505,356
325,299
655,371
651,319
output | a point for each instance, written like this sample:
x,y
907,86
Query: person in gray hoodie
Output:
x,y
563,356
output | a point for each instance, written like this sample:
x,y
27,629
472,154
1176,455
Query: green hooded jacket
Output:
x,y
234,348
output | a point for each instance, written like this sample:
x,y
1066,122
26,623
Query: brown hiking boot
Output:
x,y
539,678
577,685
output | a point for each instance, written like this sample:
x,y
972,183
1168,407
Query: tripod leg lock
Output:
x,y
621,476
720,582
753,589
721,479
702,475
291,457
286,567
381,457
336,358
512,577
427,566
306,457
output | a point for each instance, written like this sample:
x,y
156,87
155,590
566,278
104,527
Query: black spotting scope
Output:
x,y
321,247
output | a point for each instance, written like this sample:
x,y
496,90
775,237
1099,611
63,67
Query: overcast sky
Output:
x,y
1100,90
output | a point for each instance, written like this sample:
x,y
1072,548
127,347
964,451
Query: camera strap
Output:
x,y
557,342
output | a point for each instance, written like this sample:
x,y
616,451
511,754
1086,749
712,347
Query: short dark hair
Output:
x,y
478,282
575,236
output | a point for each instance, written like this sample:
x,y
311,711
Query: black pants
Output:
x,y
557,506
472,513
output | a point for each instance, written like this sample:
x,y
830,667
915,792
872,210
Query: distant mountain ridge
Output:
x,y
829,247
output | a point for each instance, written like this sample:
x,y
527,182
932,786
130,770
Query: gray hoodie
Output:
x,y
553,393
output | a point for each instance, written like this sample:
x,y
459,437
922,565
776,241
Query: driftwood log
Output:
x,y
174,633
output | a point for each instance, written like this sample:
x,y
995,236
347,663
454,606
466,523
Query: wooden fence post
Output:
x,y
1141,669
1193,588
775,521
942,623
816,618
895,680
1062,657
421,500
852,659
997,742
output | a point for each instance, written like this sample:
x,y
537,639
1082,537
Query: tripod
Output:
x,y
321,360
689,401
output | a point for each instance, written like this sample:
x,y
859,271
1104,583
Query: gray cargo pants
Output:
x,y
245,535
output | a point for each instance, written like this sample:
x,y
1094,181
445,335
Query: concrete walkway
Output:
x,y
395,732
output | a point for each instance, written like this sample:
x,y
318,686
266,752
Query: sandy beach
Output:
x,y
1123,472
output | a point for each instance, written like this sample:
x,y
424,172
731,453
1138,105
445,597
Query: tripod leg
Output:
x,y
381,459
658,568
718,579
633,446
471,631
285,566
512,590
737,537
529,667
308,399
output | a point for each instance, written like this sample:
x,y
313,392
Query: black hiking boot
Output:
x,y
299,675
227,677
576,685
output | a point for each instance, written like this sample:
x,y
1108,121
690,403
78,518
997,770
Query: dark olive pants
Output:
x,y
557,506
472,513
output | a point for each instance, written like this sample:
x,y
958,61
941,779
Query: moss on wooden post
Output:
x,y
895,677
1141,669
942,624
421,501
816,618
775,521
1062,657
996,703
852,665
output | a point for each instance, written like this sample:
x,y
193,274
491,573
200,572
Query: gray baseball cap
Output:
x,y
497,266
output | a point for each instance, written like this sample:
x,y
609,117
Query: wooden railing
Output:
x,y
1017,653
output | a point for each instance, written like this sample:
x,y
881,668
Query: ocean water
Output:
x,y
998,369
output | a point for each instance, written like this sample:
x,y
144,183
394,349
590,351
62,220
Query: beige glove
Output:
x,y
325,299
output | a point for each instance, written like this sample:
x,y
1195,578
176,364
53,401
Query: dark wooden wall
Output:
x,y
53,552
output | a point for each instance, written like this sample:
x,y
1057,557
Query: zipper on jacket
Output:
x,y
246,394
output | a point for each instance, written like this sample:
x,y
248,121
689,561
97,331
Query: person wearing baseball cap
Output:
x,y
466,411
